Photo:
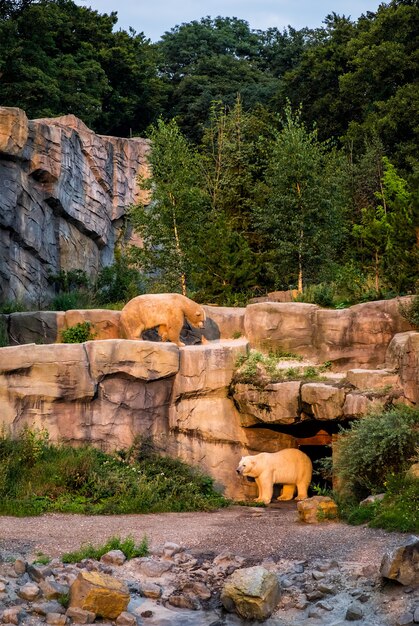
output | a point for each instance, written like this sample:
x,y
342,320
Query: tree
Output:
x,y
387,233
303,217
58,58
169,220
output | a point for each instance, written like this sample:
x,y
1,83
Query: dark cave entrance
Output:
x,y
315,438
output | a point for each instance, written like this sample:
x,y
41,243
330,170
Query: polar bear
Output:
x,y
166,311
290,467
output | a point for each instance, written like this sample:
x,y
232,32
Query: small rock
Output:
x,y
317,509
52,589
251,592
364,597
104,595
314,595
317,575
327,588
314,612
147,613
371,499
56,618
354,613
114,557
301,603
12,615
2,587
28,592
38,573
184,602
286,583
169,549
126,619
416,616
405,620
197,589
324,605
81,616
20,566
400,564
150,590
152,568
42,608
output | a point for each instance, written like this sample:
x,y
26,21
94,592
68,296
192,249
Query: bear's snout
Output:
x,y
239,470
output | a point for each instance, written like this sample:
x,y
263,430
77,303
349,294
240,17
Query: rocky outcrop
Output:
x,y
354,337
63,195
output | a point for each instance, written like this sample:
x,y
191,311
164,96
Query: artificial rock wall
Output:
x,y
108,391
63,194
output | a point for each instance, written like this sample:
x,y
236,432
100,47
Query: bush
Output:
x,y
79,333
410,311
37,477
119,282
374,448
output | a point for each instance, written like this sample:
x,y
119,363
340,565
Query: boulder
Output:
x,y
140,360
358,404
323,401
104,322
372,379
224,322
401,563
317,509
252,593
281,326
409,368
36,327
100,593
204,369
277,403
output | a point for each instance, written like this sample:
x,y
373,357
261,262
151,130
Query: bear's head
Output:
x,y
245,466
197,317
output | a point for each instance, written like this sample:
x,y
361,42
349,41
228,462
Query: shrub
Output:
x,y
119,282
38,477
375,447
79,333
67,301
410,311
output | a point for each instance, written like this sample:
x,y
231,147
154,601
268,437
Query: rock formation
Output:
x,y
63,194
108,391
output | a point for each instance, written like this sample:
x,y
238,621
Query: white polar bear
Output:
x,y
290,467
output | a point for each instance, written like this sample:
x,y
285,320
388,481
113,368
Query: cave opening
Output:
x,y
315,438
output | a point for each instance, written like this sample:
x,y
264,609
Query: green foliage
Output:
x,y
118,282
73,289
397,511
303,216
375,447
58,58
79,333
127,546
14,306
4,335
260,369
37,477
41,559
410,311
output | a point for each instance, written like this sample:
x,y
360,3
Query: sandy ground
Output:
x,y
249,532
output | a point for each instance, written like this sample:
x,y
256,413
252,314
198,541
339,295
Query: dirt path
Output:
x,y
246,531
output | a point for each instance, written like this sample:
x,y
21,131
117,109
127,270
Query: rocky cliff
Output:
x,y
63,194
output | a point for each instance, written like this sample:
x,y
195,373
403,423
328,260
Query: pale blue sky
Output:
x,y
154,17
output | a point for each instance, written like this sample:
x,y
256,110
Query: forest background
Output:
x,y
280,159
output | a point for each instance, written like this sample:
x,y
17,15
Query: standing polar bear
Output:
x,y
290,467
164,311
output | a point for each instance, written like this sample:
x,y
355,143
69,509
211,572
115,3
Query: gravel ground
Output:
x,y
250,532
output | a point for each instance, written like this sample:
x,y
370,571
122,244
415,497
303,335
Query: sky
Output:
x,y
154,18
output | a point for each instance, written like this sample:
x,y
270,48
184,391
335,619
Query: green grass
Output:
x,y
37,477
127,546
398,511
